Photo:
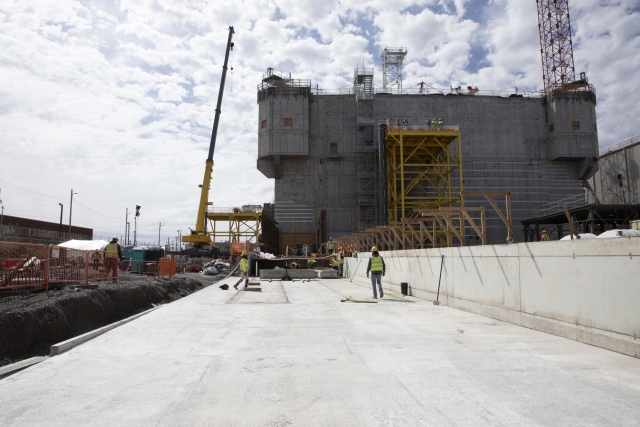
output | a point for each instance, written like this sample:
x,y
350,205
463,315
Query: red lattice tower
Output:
x,y
555,43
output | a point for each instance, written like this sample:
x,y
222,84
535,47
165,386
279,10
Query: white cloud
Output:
x,y
116,100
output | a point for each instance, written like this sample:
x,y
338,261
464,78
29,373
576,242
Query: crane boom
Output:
x,y
199,236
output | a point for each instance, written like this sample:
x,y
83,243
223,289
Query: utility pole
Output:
x,y
126,226
70,209
159,241
60,229
2,216
135,230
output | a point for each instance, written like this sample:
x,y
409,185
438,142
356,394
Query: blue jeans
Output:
x,y
376,278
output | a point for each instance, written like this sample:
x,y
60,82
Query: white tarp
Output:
x,y
585,236
619,233
85,245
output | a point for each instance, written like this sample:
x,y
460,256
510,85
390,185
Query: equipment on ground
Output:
x,y
199,236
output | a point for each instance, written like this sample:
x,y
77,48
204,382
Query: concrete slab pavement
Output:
x,y
215,358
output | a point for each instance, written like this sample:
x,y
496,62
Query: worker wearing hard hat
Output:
x,y
440,122
545,236
311,262
112,254
244,270
294,265
378,269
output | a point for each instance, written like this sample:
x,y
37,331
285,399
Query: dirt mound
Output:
x,y
31,323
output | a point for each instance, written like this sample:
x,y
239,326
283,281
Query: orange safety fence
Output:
x,y
66,266
23,267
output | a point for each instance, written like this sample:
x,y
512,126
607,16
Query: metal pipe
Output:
x,y
60,228
437,301
382,170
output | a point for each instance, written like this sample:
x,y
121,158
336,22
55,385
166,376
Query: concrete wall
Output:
x,y
587,290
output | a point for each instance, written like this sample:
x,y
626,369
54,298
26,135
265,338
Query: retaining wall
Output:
x,y
587,290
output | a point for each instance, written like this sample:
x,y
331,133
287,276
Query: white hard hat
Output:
x,y
114,238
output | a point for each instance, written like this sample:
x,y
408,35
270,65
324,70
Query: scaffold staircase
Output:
x,y
365,147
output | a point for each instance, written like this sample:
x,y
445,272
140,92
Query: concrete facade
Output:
x,y
539,149
622,159
586,290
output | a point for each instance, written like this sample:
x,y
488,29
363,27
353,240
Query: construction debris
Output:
x,y
351,299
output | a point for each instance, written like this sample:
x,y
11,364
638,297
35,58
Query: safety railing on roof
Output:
x,y
424,126
242,209
585,199
620,146
431,91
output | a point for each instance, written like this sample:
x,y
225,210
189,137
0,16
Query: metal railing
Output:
x,y
431,91
424,126
581,200
620,146
35,233
242,209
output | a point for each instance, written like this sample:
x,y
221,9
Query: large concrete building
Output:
x,y
321,148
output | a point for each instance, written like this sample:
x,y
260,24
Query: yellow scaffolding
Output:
x,y
420,167
235,224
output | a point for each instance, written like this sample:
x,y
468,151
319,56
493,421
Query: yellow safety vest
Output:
x,y
341,260
330,244
112,251
244,265
376,263
311,262
96,255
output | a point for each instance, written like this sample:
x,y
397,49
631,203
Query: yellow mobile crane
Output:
x,y
202,244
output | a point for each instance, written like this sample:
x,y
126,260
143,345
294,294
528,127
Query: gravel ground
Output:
x,y
31,323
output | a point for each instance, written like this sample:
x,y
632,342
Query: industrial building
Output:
x,y
322,148
25,230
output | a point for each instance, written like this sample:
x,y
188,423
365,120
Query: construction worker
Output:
x,y
405,122
311,263
244,270
398,122
428,123
341,263
434,124
440,123
294,265
96,260
545,236
111,256
330,245
378,269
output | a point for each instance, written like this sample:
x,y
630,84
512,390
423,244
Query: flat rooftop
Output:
x,y
294,355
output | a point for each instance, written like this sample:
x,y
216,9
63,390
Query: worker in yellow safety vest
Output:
x,y
545,236
294,265
244,270
96,260
378,269
112,254
330,246
311,263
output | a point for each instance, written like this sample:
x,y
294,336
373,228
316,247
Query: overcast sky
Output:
x,y
116,99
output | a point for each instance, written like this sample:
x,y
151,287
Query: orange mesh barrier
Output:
x,y
167,267
23,266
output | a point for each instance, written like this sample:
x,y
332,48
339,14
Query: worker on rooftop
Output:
x,y
378,269
405,122
434,124
112,254
440,123
545,236
398,122
244,270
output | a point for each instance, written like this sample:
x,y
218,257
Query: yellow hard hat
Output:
x,y
374,249
243,253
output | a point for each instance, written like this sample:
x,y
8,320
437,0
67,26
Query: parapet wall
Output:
x,y
586,290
